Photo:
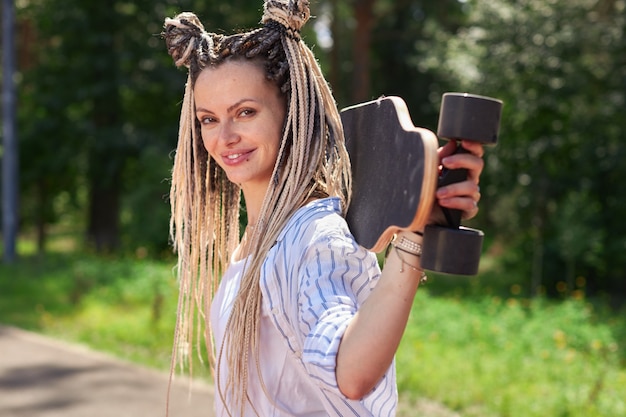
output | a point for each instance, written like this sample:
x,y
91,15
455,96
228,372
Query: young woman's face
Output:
x,y
241,114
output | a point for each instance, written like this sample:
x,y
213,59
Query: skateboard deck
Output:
x,y
394,171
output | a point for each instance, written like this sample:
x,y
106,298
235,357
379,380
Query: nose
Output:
x,y
228,133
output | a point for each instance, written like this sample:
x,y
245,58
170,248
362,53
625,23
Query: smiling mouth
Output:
x,y
236,158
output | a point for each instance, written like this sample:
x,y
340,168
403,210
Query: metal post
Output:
x,y
10,151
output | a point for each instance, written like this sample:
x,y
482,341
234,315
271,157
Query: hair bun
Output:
x,y
291,14
183,35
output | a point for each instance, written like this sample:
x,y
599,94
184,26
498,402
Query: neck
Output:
x,y
253,197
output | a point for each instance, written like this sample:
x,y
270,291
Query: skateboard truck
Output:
x,y
452,248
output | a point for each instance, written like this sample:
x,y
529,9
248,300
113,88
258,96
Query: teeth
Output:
x,y
234,156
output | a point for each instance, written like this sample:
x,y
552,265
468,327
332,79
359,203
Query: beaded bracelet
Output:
x,y
407,245
412,248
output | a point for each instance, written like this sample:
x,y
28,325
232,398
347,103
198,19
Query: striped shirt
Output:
x,y
313,281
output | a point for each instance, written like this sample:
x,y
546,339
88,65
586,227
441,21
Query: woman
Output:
x,y
303,322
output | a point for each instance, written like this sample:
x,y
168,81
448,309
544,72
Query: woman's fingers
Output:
x,y
463,195
472,161
459,195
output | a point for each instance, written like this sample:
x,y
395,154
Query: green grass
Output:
x,y
496,357
124,307
471,345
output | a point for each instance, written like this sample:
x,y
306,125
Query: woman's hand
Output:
x,y
462,195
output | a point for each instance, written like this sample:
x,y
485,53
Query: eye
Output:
x,y
247,112
206,120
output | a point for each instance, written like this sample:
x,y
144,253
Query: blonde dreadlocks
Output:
x,y
204,225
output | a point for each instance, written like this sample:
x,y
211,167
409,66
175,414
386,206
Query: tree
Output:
x,y
9,149
553,186
403,40
98,114
375,49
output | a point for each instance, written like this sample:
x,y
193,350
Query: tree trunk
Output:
x,y
107,159
364,15
109,149
104,209
42,211
10,144
334,52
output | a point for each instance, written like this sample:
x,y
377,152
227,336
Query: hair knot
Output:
x,y
183,36
290,14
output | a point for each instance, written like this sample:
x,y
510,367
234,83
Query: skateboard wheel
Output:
x,y
452,251
469,117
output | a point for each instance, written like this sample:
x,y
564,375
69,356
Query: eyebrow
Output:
x,y
230,108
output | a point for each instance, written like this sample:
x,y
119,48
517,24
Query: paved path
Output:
x,y
40,377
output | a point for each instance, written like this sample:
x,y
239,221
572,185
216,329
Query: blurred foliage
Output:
x,y
123,306
99,104
512,356
553,186
477,352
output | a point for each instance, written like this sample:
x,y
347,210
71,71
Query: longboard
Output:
x,y
394,171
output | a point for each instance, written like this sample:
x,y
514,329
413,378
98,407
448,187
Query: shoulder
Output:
x,y
316,242
316,246
318,220
316,249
